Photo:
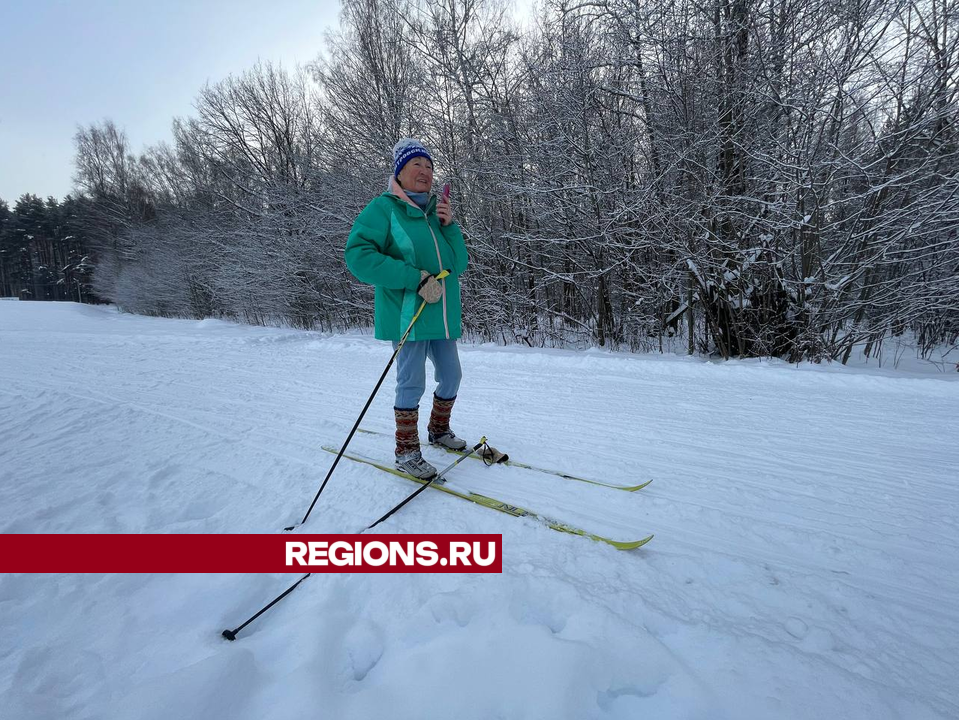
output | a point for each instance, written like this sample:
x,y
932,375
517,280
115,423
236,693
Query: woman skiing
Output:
x,y
399,243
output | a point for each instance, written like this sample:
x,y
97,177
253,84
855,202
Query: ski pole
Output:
x,y
440,276
232,634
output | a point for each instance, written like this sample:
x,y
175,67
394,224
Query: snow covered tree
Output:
x,y
741,177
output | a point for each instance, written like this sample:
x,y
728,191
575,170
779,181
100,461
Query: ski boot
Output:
x,y
448,441
412,463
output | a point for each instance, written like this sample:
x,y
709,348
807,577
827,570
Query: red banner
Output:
x,y
250,553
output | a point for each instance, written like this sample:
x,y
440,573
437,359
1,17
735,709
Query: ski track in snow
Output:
x,y
804,565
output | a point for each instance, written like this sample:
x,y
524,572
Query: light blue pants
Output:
x,y
412,371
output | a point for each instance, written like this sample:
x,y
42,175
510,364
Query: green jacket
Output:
x,y
392,240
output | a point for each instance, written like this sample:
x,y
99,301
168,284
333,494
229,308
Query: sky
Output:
x,y
140,64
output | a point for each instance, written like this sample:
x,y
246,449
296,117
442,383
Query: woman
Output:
x,y
399,243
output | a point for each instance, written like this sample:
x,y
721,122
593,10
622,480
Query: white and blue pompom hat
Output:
x,y
404,151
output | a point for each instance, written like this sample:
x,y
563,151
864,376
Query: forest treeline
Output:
x,y
739,177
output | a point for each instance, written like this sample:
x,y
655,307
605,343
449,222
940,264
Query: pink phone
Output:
x,y
446,191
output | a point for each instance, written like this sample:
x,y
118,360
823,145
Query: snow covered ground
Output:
x,y
804,565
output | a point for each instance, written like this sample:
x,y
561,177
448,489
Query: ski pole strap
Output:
x,y
439,276
491,456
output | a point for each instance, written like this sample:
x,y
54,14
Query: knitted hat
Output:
x,y
406,150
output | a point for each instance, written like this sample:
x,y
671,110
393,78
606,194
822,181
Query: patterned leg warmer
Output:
x,y
440,416
407,438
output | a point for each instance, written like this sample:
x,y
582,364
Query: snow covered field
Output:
x,y
804,566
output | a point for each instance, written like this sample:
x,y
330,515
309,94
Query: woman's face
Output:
x,y
417,175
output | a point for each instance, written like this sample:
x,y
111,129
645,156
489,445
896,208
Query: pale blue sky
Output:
x,y
138,63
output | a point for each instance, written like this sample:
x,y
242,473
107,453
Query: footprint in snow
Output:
x,y
796,627
364,648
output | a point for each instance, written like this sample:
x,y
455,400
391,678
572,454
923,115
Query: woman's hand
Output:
x,y
429,289
444,211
